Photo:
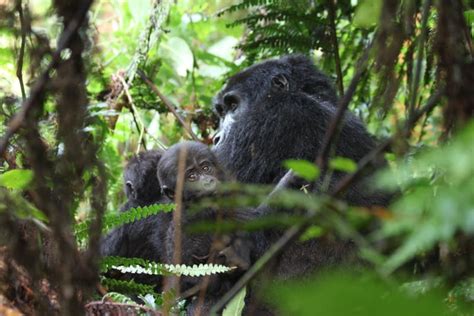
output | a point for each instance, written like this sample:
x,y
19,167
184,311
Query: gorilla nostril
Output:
x,y
216,140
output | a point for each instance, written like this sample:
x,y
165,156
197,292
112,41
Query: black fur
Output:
x,y
198,248
281,109
141,185
264,123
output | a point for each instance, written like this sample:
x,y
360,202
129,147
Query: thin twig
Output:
x,y
39,88
295,231
178,212
148,37
335,45
332,131
271,253
167,103
138,122
419,59
21,55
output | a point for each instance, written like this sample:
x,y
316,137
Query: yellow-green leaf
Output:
x,y
236,306
16,179
303,168
367,13
343,164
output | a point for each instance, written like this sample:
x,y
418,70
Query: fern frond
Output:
x,y
128,287
111,262
246,4
113,220
180,269
280,27
119,298
135,214
142,266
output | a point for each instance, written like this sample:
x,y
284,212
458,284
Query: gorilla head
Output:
x,y
202,173
294,73
141,185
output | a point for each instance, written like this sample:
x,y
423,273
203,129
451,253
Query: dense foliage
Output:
x,y
83,87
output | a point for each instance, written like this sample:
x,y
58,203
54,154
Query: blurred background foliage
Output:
x,y
427,236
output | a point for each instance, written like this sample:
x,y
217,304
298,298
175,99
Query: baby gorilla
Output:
x,y
202,173
202,176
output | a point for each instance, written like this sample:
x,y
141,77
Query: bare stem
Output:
x,y
168,104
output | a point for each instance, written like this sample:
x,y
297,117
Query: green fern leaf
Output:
x,y
127,286
114,220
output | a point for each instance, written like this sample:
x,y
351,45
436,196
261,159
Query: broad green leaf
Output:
x,y
236,306
357,294
469,15
367,13
16,179
21,207
343,164
303,168
178,51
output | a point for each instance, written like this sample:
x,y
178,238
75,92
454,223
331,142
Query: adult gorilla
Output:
x,y
280,109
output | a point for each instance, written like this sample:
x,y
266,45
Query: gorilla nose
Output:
x,y
209,183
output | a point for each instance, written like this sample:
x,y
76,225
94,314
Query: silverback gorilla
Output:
x,y
280,109
277,110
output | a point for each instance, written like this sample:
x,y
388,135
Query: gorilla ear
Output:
x,y
168,192
130,190
280,82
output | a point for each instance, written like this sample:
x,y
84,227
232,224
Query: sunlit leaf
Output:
x,y
178,51
311,233
342,294
303,168
342,164
236,306
16,179
367,13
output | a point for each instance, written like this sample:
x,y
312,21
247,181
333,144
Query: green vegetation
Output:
x,y
86,109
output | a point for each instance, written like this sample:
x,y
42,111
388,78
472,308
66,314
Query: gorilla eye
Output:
x,y
281,82
192,177
231,101
206,168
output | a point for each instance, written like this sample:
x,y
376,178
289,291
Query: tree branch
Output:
x,y
21,55
419,59
138,123
335,45
332,131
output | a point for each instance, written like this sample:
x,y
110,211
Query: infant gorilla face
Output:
x,y
202,173
200,177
